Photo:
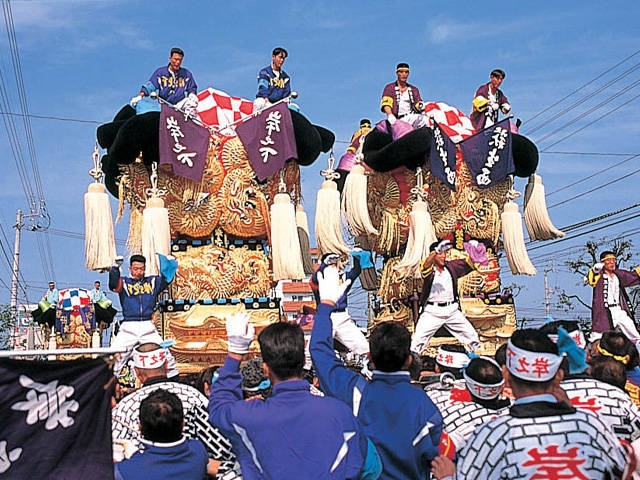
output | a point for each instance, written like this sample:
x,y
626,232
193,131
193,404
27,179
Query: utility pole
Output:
x,y
548,291
16,265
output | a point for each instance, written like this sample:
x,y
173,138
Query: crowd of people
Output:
x,y
549,404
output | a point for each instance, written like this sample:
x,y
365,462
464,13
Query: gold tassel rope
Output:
x,y
302,223
421,236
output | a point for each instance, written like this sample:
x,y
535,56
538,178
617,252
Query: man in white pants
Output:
x,y
439,300
610,306
138,298
344,328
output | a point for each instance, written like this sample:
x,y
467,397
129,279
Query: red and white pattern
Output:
x,y
455,124
219,109
74,299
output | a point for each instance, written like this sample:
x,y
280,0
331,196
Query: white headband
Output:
x,y
452,359
576,335
532,366
153,359
485,391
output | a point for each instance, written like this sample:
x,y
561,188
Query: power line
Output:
x,y
582,87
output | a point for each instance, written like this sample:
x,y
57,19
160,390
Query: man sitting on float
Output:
x,y
401,100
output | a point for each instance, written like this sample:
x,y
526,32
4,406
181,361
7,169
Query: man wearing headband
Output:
x,y
616,345
401,100
540,437
150,364
489,101
610,306
473,400
439,303
138,298
344,328
402,422
292,433
611,404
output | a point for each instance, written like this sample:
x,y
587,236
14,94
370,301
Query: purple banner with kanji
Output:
x,y
442,159
488,154
269,140
56,419
183,144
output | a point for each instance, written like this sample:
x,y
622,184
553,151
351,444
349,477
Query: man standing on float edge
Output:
x,y
138,298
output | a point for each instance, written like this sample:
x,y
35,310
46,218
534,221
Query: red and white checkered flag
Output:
x,y
219,109
455,124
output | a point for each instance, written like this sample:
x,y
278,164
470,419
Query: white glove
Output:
x,y
329,285
443,246
597,268
506,108
240,333
123,449
134,101
392,118
119,260
260,103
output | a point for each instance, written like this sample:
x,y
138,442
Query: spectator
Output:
x,y
292,434
166,453
255,384
616,345
539,437
489,101
608,370
402,422
151,369
472,401
104,312
206,378
583,391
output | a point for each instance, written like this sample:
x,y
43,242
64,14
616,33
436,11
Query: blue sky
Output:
x,y
83,60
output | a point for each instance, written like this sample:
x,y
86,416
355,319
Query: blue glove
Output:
x,y
364,257
168,267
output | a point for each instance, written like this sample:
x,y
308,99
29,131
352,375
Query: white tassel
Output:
x,y
156,235
302,223
327,224
354,202
421,236
285,245
513,241
99,239
536,215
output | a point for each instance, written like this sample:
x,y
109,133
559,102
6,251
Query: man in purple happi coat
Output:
x,y
489,101
610,307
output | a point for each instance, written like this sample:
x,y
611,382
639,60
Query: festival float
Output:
x,y
221,192
403,188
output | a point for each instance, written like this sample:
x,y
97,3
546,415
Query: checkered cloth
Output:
x,y
219,109
455,124
74,299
